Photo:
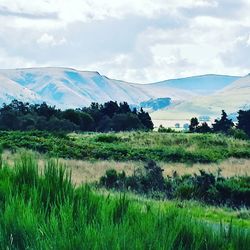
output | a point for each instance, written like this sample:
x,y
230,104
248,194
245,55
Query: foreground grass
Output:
x,y
134,146
47,212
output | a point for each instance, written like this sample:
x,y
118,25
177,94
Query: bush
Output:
x,y
161,129
205,187
238,134
107,138
147,180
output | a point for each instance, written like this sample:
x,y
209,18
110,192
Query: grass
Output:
x,y
133,146
46,211
86,171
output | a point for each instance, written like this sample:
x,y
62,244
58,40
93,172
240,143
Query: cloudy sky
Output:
x,y
133,40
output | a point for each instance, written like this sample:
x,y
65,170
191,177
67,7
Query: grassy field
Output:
x,y
85,171
133,146
45,203
45,211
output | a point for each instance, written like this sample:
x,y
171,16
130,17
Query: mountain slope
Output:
x,y
10,90
231,98
204,84
69,88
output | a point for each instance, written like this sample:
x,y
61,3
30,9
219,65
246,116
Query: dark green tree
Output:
x,y
224,124
244,121
72,116
126,122
145,119
193,124
110,108
203,128
124,108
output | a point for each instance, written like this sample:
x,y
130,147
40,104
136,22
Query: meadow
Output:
x,y
50,197
130,146
44,210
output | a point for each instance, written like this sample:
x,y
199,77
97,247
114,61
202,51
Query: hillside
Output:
x,y
70,88
233,97
10,90
66,87
202,85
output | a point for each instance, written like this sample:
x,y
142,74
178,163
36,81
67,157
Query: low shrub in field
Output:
x,y
238,134
107,138
148,180
205,187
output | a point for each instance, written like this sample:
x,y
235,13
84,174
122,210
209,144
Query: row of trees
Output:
x,y
224,124
109,116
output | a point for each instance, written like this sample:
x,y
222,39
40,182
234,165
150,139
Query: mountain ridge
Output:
x,y
71,88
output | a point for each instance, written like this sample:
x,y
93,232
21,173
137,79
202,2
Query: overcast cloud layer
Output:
x,y
133,40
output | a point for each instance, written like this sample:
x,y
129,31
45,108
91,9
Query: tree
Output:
x,y
145,119
110,116
45,110
193,124
110,108
224,124
86,121
203,128
105,124
124,108
72,116
126,122
244,121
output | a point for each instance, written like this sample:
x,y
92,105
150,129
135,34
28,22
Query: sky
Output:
x,y
133,40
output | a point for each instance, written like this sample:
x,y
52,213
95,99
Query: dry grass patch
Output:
x,y
90,171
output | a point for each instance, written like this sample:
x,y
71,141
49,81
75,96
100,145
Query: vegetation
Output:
x,y
244,121
205,187
108,117
45,211
42,209
225,125
142,146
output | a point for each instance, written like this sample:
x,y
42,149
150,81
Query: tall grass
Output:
x,y
45,211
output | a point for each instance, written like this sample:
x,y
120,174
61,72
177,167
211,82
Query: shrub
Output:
x,y
238,134
110,179
205,187
107,138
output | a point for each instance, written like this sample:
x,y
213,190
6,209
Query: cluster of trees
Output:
x,y
224,125
109,116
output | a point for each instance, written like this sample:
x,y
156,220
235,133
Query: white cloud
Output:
x,y
47,39
134,40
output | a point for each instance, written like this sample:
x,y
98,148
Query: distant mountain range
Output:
x,y
69,88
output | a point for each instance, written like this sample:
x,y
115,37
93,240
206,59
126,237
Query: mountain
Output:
x,y
10,90
65,87
69,88
231,98
202,85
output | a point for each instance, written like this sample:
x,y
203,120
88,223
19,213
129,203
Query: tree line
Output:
x,y
224,125
109,116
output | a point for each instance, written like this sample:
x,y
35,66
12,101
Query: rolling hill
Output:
x,y
65,87
233,97
69,88
202,85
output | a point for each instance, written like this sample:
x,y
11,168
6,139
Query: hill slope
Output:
x,y
204,84
10,90
231,98
69,88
